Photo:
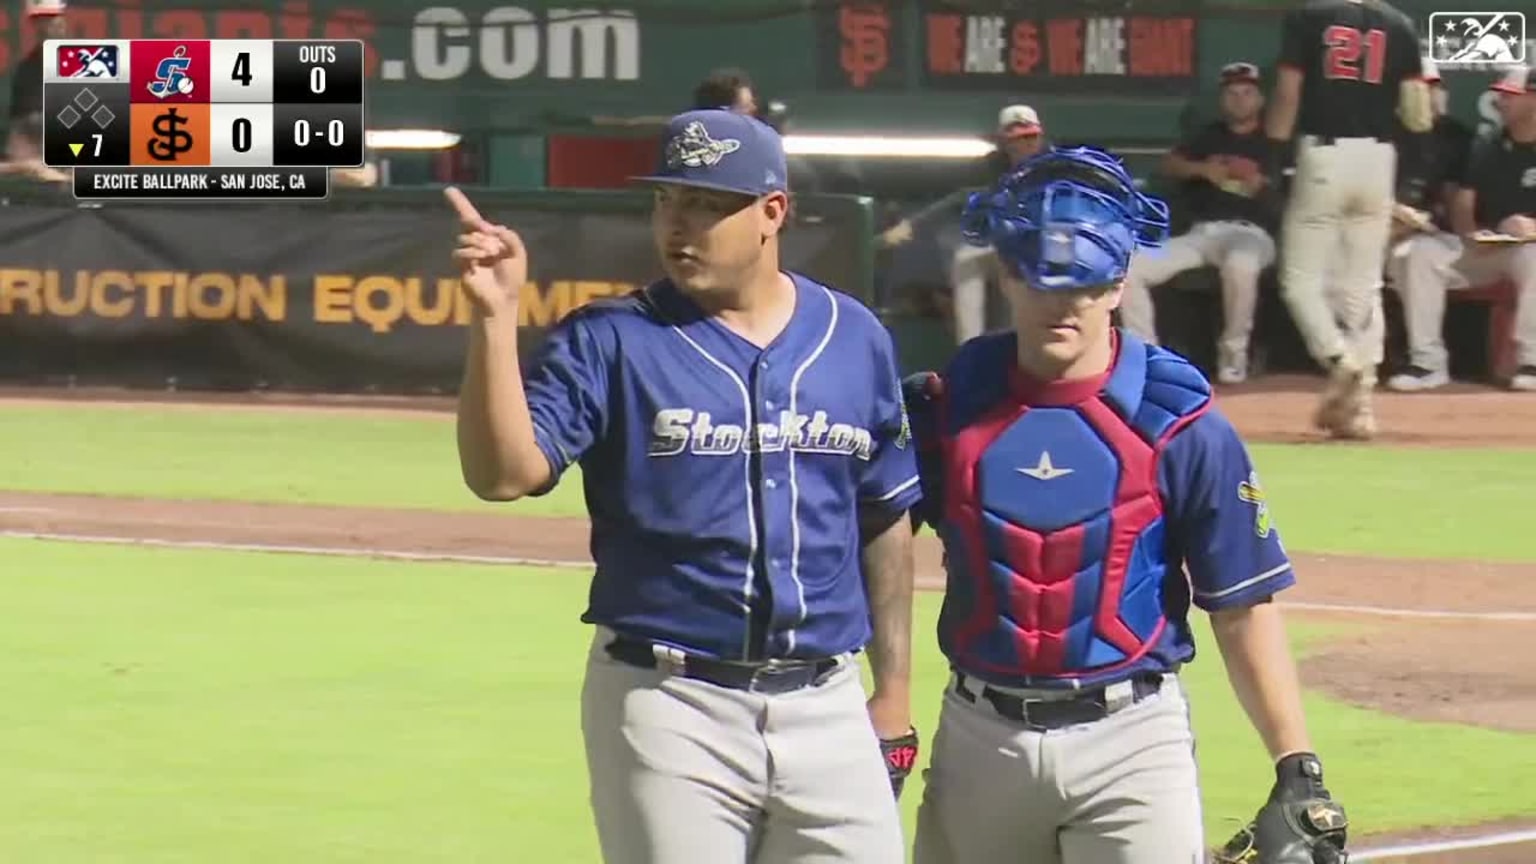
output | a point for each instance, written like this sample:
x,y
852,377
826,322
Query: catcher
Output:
x,y
1087,493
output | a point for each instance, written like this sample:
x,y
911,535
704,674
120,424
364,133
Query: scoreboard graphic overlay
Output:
x,y
215,119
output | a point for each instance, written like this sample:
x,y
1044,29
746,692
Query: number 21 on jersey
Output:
x,y
1345,44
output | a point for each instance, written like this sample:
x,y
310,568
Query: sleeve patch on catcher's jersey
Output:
x,y
1250,491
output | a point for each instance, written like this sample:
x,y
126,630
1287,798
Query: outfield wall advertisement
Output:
x,y
312,297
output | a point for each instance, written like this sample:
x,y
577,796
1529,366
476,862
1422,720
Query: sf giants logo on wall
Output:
x,y
684,430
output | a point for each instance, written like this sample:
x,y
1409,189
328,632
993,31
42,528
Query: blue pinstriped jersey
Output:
x,y
725,481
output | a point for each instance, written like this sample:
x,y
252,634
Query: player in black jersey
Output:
x,y
1492,237
1430,167
1348,73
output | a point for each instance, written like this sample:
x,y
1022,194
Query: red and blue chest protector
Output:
x,y
1080,519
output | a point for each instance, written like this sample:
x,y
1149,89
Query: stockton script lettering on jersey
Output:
x,y
679,430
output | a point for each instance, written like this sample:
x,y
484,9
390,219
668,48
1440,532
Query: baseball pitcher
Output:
x,y
747,471
1349,71
1075,475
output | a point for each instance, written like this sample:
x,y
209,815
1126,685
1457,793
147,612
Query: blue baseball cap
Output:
x,y
718,149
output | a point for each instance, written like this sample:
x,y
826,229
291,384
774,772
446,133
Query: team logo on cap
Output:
x,y
693,148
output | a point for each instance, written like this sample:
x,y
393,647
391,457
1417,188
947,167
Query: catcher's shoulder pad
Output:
x,y
1154,389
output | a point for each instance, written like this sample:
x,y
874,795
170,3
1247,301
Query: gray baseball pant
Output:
x,y
1122,790
687,772
1438,263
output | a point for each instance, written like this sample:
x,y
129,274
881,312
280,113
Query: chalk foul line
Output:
x,y
1389,612
330,551
1413,850
510,560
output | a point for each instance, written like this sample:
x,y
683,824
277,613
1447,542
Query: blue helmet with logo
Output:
x,y
1067,219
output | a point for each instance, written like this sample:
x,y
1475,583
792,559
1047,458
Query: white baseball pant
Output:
x,y
1437,263
1239,250
1336,230
1122,790
969,270
687,772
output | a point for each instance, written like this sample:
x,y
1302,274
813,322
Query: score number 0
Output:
x,y
335,130
335,134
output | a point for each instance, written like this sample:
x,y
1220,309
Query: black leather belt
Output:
x,y
1085,706
769,676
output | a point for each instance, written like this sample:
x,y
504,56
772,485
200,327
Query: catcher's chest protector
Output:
x,y
1053,520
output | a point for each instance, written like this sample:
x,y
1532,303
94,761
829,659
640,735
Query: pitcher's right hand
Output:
x,y
492,262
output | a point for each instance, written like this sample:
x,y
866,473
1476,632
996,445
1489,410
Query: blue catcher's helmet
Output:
x,y
1066,219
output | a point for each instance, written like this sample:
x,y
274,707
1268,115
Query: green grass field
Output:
x,y
1465,503
188,706
191,706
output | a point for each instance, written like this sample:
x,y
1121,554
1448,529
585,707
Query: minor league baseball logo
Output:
x,y
694,148
1477,38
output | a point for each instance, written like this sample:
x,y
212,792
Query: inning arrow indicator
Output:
x,y
76,148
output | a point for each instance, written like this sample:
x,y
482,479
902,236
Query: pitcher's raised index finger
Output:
x,y
462,206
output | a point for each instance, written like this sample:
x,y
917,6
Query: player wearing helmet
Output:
x,y
1075,474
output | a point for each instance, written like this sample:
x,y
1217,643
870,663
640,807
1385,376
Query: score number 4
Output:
x,y
1345,44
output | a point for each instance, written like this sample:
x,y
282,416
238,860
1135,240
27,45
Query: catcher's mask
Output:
x,y
1066,220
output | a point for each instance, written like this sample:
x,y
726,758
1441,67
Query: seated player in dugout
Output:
x,y
1498,198
1234,212
1019,136
1429,168
24,139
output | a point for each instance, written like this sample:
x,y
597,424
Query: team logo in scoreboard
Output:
x,y
169,135
87,61
166,70
171,76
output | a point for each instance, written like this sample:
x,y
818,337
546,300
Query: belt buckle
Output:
x,y
670,660
771,670
1119,696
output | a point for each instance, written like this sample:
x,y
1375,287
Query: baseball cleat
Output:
x,y
1360,426
1416,378
1356,417
1233,367
1524,380
1339,395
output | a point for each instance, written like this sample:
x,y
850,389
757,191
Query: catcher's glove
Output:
x,y
900,756
1299,824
